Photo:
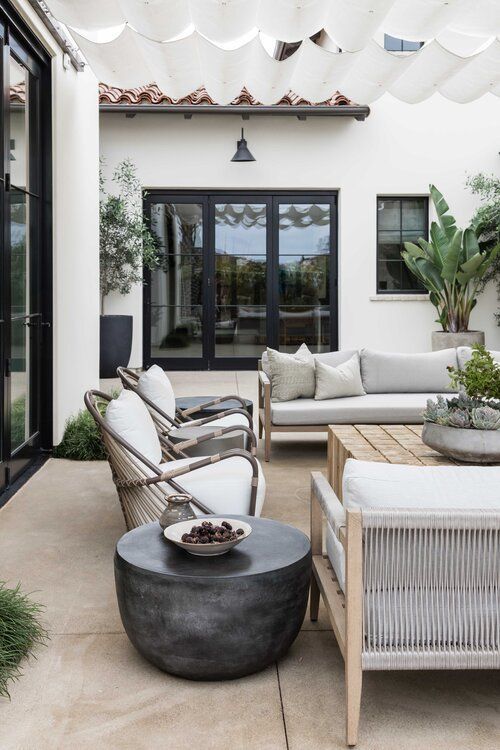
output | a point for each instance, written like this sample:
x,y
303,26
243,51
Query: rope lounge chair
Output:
x,y
144,474
155,389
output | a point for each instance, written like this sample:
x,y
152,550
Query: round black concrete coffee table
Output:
x,y
187,402
213,618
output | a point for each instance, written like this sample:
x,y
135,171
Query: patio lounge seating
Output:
x,y
155,389
411,579
144,472
397,388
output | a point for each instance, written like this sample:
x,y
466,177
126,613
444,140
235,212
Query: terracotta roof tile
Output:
x,y
151,94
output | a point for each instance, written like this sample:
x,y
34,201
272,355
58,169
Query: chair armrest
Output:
x,y
264,379
329,502
180,447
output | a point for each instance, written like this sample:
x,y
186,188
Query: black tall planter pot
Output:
x,y
115,343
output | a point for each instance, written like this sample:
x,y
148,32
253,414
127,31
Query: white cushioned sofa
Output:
x,y
411,576
397,387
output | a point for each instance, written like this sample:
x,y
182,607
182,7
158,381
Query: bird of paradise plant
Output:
x,y
450,266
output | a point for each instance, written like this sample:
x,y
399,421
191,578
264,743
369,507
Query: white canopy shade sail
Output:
x,y
147,51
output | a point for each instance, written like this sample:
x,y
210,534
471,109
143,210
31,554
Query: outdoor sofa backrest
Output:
x,y
388,372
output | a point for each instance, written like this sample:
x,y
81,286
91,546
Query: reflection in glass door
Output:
x,y
175,294
240,286
24,318
304,260
239,272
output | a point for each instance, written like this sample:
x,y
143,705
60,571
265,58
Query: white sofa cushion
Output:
x,y
374,408
155,385
464,353
223,487
129,417
388,372
368,484
292,375
340,381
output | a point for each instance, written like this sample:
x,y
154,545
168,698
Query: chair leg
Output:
x,y
314,599
353,683
267,445
261,428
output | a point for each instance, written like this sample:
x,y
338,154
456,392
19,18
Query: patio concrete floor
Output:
x,y
90,689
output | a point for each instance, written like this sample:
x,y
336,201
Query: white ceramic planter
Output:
x,y
475,446
446,340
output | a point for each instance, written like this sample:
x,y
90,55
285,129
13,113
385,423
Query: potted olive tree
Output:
x,y
451,267
126,247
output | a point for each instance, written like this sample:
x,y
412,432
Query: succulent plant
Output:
x,y
459,418
486,418
463,412
437,411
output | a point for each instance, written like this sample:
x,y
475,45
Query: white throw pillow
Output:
x,y
129,417
155,385
292,375
339,382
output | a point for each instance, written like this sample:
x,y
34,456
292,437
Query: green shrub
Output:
x,y
20,633
81,440
480,377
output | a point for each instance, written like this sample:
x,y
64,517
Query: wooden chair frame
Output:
x,y
139,481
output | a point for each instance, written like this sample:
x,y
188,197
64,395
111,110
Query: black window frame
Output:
x,y
399,198
395,44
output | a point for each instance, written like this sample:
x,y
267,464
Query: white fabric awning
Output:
x,y
147,50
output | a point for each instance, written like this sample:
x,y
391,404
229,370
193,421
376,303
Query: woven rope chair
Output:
x,y
130,379
141,485
165,423
422,588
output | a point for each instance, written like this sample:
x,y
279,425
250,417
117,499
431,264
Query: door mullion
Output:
x,y
208,276
273,276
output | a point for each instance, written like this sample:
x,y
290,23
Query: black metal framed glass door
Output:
x,y
25,286
238,272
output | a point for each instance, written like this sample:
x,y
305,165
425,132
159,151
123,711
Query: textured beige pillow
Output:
x,y
339,382
292,375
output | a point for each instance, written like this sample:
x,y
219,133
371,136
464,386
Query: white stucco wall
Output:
x,y
398,150
75,200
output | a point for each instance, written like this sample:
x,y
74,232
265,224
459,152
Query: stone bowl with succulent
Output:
x,y
467,426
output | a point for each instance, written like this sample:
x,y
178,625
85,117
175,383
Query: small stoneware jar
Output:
x,y
178,509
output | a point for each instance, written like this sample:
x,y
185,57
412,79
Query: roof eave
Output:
x,y
300,111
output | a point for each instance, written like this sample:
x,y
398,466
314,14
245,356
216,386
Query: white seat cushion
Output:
x,y
374,408
368,484
232,420
129,417
155,385
224,487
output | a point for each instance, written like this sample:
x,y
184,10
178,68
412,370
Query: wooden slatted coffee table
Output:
x,y
393,443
